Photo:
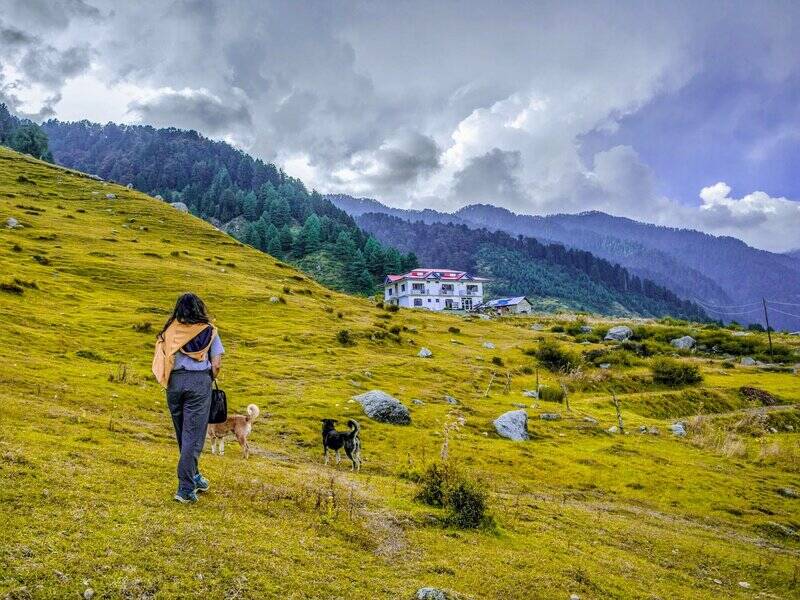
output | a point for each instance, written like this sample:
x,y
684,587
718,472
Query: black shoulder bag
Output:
x,y
219,405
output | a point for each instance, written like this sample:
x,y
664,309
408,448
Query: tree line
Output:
x,y
253,200
23,135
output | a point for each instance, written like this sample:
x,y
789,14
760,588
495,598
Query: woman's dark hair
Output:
x,y
189,309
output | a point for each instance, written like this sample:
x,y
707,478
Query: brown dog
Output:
x,y
238,425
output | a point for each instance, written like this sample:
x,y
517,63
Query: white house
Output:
x,y
519,305
434,289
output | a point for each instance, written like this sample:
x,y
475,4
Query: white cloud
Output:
x,y
757,218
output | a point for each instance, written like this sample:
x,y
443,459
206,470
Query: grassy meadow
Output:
x,y
87,453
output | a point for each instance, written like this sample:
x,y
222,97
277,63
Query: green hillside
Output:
x,y
87,455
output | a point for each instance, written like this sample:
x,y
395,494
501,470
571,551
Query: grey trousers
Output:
x,y
189,401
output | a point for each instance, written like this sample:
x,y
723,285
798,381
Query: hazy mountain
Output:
x,y
720,271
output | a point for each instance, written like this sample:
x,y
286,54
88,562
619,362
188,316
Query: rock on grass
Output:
x,y
512,425
382,407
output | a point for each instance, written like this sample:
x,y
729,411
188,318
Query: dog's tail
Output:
x,y
252,412
354,428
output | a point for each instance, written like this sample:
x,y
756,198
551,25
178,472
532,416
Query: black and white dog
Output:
x,y
336,440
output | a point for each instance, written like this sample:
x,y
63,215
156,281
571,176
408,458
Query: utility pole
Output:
x,y
769,333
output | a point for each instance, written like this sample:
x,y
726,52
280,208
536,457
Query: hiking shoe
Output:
x,y
200,484
186,497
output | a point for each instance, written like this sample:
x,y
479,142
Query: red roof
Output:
x,y
442,274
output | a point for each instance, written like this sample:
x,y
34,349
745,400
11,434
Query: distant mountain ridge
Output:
x,y
719,271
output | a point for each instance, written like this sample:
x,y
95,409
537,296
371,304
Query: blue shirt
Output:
x,y
189,364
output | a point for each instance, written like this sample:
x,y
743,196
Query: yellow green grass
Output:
x,y
87,455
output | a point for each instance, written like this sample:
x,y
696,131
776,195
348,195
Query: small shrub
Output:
x,y
287,289
551,394
344,337
90,355
328,309
23,179
143,327
557,329
31,285
16,248
12,288
466,500
379,304
393,308
555,357
496,360
175,253
671,372
395,329
526,370
340,315
42,260
453,329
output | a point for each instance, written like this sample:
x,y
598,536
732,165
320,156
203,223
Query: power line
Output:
x,y
726,305
785,313
783,303
727,312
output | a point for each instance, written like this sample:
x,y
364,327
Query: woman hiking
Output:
x,y
187,358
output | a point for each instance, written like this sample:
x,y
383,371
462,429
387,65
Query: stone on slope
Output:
x,y
425,353
12,223
429,593
683,343
550,416
110,196
585,329
488,345
620,333
380,406
512,425
678,429
179,206
748,361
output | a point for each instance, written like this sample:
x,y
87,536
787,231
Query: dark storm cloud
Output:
x,y
194,109
490,178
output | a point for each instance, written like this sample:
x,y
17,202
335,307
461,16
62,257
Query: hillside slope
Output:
x,y
87,455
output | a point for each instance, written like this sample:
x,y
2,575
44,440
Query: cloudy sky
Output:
x,y
677,113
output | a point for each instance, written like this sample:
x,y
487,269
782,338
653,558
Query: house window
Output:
x,y
402,287
437,301
429,300
417,287
418,301
390,291
472,289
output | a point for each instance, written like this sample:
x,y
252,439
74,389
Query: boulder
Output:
x,y
159,197
110,196
530,393
417,401
550,416
683,343
741,333
678,429
585,329
450,400
788,493
429,593
613,429
604,365
620,333
748,361
12,223
129,186
489,345
424,353
179,206
274,299
380,406
512,425
590,420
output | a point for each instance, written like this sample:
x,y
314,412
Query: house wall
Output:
x,y
433,295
